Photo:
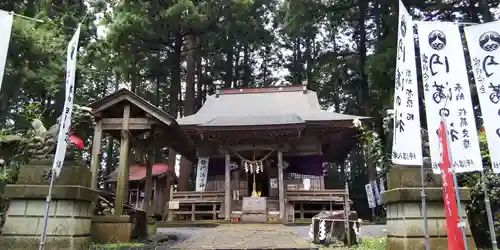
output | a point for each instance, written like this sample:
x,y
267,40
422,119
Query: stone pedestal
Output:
x,y
254,210
405,224
70,210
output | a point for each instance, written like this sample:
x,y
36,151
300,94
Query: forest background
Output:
x,y
172,52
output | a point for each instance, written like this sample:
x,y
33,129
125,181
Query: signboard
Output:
x,y
201,174
369,196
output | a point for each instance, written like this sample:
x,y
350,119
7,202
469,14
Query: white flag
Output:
x,y
447,94
406,111
6,20
201,174
483,42
65,119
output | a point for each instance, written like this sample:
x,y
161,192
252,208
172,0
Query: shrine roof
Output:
x,y
137,172
112,106
287,105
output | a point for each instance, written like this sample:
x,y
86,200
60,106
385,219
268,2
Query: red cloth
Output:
x,y
455,240
77,141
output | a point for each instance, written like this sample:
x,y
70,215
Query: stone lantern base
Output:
x,y
405,224
70,210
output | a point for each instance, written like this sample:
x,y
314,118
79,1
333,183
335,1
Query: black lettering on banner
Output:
x,y
489,61
495,93
404,155
436,62
453,133
400,123
476,64
439,93
409,101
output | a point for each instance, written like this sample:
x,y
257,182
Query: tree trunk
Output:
x,y
147,157
246,66
228,76
185,165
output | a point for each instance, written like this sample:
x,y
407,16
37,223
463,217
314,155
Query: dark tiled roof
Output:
x,y
273,106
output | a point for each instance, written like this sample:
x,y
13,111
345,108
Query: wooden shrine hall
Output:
x,y
138,125
270,144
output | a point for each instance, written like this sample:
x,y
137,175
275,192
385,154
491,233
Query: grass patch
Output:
x,y
123,245
370,244
366,244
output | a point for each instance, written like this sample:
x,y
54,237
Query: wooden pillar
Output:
x,y
96,151
227,188
122,182
281,188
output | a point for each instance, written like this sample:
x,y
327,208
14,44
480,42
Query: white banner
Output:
x,y
201,174
65,118
6,20
483,42
369,196
406,111
447,94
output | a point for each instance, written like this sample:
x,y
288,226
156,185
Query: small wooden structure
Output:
x,y
126,116
163,177
283,134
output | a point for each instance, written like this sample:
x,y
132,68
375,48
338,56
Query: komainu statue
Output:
x,y
40,142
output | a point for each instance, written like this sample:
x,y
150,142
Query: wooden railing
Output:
x,y
335,195
198,197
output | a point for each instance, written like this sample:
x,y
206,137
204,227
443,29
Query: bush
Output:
x,y
476,210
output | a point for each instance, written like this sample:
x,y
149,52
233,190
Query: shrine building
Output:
x,y
273,144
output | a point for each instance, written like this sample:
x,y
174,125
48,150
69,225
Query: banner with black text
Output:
x,y
447,94
406,107
65,118
483,42
6,20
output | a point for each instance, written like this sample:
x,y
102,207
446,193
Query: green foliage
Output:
x,y
371,244
476,211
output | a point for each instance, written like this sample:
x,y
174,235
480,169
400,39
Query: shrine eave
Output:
x,y
264,108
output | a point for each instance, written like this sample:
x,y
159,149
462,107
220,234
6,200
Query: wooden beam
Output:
x,y
96,150
238,148
133,124
227,188
281,188
122,182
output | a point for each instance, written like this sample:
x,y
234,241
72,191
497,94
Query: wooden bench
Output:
x,y
191,200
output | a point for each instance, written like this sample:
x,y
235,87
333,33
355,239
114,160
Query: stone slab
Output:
x,y
406,194
111,229
254,218
37,172
410,176
52,243
59,192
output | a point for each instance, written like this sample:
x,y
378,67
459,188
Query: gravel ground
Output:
x,y
168,237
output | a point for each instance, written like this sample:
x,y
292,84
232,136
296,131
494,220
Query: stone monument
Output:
x,y
70,210
405,224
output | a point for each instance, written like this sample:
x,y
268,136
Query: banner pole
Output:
x,y
424,209
488,212
461,222
46,213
